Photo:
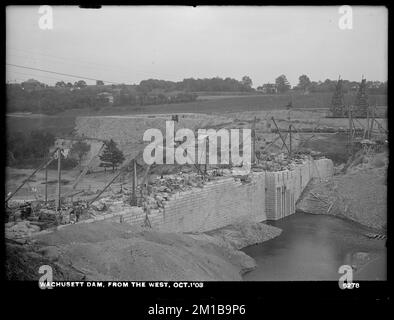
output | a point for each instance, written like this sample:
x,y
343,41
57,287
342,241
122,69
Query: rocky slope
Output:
x,y
360,194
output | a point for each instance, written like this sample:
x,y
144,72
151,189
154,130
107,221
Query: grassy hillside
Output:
x,y
64,122
235,104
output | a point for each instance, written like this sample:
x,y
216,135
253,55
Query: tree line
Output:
x,y
34,96
37,97
52,100
306,85
200,85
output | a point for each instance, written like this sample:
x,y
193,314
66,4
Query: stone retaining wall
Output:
x,y
267,196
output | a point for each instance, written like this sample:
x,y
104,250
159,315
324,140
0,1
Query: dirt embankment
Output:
x,y
360,194
113,251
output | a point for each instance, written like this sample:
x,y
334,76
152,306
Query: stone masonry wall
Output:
x,y
285,187
217,204
269,196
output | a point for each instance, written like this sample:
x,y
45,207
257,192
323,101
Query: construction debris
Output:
x,y
21,229
280,162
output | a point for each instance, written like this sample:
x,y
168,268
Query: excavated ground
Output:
x,y
113,251
359,194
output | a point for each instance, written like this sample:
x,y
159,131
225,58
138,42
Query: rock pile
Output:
x,y
24,220
280,162
21,229
162,188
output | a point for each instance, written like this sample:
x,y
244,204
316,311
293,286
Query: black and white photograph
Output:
x,y
189,146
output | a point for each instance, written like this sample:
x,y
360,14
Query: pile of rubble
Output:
x,y
22,220
280,162
21,229
162,188
156,193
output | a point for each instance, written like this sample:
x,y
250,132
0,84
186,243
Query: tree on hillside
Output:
x,y
60,84
247,81
80,84
99,83
111,156
304,83
32,85
80,148
282,84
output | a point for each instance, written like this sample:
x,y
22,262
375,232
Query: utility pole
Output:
x,y
59,177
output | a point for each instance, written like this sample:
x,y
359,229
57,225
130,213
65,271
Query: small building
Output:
x,y
106,97
268,88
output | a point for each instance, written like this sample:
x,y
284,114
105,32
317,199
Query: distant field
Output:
x,y
215,97
233,104
64,122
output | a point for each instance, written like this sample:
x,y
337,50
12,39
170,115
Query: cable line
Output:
x,y
60,73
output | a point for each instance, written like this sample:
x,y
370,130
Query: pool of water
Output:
x,y
313,247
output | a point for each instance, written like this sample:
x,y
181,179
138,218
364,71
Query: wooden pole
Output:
x,y
84,171
134,196
106,187
285,138
254,141
270,144
290,140
46,184
206,157
59,178
380,126
280,134
44,164
372,122
350,130
366,133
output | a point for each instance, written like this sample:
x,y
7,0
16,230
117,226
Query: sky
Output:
x,y
130,44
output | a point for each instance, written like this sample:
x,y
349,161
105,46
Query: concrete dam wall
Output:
x,y
268,196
